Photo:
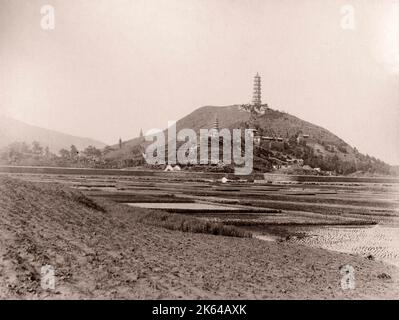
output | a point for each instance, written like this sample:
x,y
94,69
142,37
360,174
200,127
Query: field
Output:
x,y
120,235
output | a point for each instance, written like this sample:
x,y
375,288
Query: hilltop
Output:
x,y
231,117
321,148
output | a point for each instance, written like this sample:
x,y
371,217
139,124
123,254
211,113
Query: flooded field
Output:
x,y
376,242
359,217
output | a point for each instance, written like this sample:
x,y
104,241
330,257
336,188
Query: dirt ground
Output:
x,y
101,251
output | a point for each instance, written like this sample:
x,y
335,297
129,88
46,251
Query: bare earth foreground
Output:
x,y
101,250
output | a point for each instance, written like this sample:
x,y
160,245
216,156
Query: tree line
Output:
x,y
21,153
34,154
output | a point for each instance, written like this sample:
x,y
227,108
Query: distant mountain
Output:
x,y
322,148
12,130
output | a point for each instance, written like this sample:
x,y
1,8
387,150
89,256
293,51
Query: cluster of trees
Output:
x,y
20,153
339,165
255,110
337,159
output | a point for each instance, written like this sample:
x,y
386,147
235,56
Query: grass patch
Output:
x,y
134,198
171,221
189,224
252,223
82,199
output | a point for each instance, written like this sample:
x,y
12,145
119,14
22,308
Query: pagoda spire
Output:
x,y
214,132
216,124
256,99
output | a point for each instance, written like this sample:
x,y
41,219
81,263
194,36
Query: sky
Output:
x,y
109,68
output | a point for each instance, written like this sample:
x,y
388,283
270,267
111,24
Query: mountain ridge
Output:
x,y
13,130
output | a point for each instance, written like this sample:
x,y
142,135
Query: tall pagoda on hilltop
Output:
x,y
257,94
256,107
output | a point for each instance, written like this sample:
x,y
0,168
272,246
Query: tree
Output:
x,y
107,150
342,148
37,149
16,152
92,152
47,153
74,153
65,155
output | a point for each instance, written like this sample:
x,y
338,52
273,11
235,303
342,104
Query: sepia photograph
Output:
x,y
201,150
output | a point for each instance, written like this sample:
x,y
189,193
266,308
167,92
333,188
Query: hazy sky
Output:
x,y
111,67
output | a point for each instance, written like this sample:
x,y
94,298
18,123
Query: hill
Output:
x,y
276,122
321,148
12,130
